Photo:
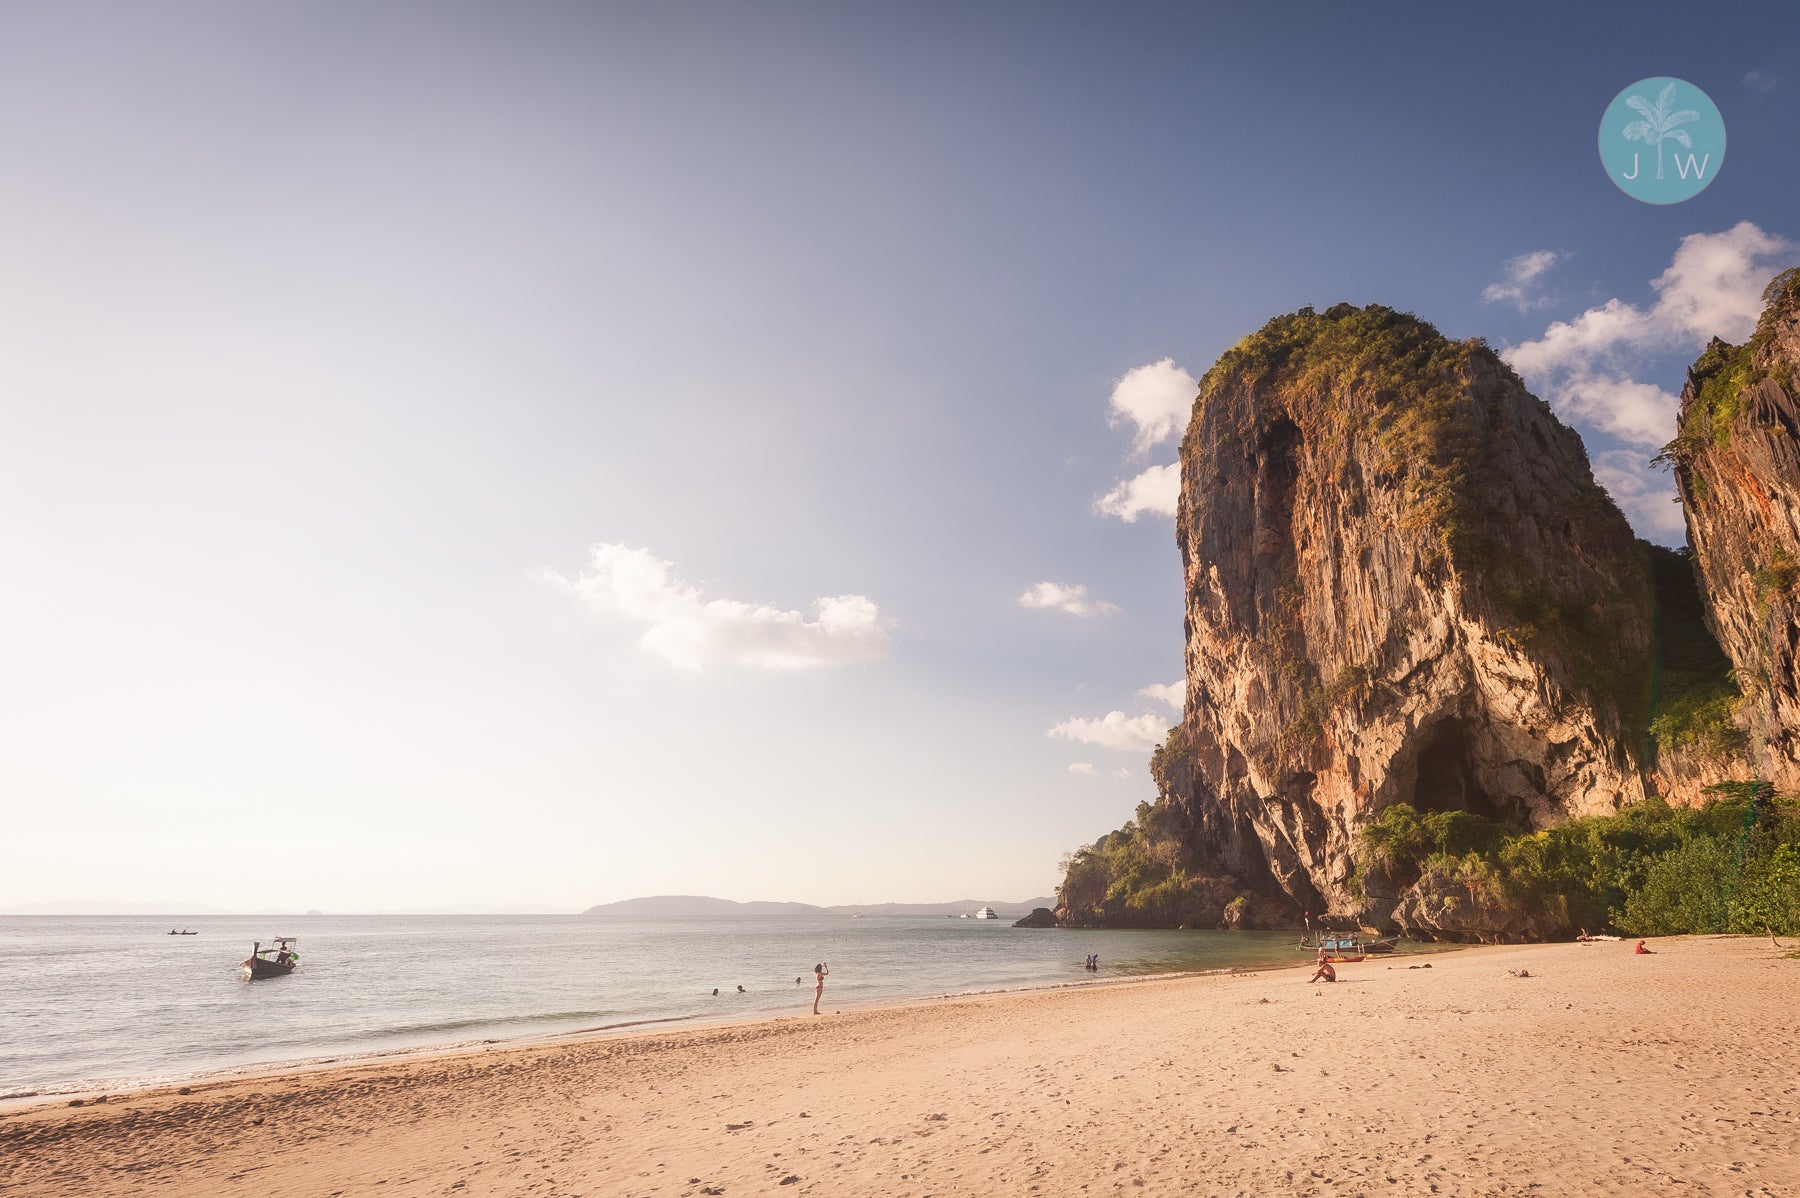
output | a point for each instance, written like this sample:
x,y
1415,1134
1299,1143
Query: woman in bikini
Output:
x,y
819,974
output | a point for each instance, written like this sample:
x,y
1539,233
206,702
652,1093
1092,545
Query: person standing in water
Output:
x,y
820,972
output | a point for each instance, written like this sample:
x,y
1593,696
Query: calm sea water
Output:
x,y
97,1001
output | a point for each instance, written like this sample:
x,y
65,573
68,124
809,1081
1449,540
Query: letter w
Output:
x,y
1682,168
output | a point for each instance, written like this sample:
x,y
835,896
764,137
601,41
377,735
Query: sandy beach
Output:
x,y
1598,1073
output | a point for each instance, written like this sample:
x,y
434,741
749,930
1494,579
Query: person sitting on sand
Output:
x,y
820,972
1641,949
1324,972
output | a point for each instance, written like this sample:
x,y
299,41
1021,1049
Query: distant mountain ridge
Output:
x,y
678,906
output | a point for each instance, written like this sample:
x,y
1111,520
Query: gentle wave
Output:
x,y
96,1002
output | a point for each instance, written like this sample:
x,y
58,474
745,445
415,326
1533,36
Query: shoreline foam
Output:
x,y
116,1088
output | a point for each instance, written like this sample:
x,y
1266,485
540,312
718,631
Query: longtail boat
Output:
x,y
279,958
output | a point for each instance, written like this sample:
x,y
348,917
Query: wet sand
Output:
x,y
1599,1073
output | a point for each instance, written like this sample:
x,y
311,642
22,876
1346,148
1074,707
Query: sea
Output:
x,y
95,1003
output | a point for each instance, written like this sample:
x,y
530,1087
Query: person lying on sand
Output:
x,y
1324,972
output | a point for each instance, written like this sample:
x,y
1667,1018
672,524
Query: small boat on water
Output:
x,y
986,913
173,932
1387,944
279,958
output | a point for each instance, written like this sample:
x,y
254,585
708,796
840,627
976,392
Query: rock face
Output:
x,y
1403,585
1040,917
1737,464
1444,907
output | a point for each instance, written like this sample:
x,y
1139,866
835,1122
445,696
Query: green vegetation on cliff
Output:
x,y
1650,870
1403,375
1165,757
1723,372
1143,875
1693,695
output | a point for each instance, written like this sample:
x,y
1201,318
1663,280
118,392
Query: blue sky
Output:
x,y
335,335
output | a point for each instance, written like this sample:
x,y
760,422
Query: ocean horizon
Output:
x,y
99,1002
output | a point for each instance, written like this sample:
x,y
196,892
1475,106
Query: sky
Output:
x,y
483,455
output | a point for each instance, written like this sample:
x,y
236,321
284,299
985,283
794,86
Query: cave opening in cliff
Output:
x,y
1449,781
1277,471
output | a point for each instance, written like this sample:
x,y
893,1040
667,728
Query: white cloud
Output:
x,y
1641,413
1642,491
1761,81
1519,288
1154,399
1121,772
1172,693
1115,730
1157,491
689,631
1059,596
1712,288
1082,767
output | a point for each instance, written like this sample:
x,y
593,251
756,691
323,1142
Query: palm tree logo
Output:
x,y
1660,123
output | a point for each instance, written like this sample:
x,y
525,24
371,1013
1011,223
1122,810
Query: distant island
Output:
x,y
681,906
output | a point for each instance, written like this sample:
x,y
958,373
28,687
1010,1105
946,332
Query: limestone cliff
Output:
x,y
1737,464
1403,586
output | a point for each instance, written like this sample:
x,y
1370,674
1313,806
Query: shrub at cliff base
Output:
x,y
1143,875
1688,890
1732,865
